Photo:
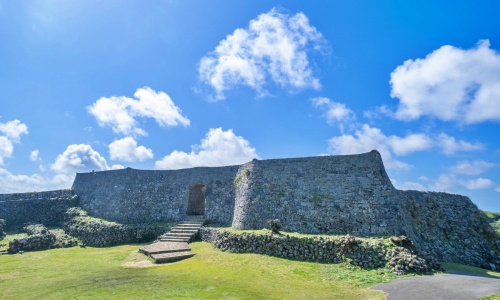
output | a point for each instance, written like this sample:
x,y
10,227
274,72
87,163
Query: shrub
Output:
x,y
275,226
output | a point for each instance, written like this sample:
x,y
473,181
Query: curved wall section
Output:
x,y
139,196
349,194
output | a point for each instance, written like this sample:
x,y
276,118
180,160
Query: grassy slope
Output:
x,y
100,273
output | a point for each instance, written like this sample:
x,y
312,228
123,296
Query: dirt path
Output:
x,y
445,286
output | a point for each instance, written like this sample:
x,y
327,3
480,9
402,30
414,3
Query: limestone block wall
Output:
x,y
139,196
448,227
47,208
349,194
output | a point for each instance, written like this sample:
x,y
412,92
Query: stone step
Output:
x,y
169,240
171,257
190,224
165,247
184,230
175,234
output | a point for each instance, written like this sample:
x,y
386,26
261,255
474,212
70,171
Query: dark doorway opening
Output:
x,y
196,201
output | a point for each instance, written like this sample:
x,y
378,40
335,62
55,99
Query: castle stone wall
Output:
x,y
448,227
348,194
47,208
139,196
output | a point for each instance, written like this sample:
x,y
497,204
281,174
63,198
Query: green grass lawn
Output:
x,y
123,273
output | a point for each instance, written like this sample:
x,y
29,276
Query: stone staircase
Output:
x,y
173,245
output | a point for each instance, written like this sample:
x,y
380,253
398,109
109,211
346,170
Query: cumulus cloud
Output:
x,y
408,185
335,112
274,47
410,143
444,183
449,145
79,158
477,184
121,113
450,84
218,148
18,183
368,138
471,168
126,149
34,155
6,149
13,130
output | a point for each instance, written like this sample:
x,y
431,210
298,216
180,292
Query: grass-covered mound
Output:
x,y
101,233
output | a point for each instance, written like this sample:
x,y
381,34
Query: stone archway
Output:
x,y
196,200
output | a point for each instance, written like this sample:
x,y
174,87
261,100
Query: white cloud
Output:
x,y
117,167
34,155
477,184
6,149
450,146
335,113
444,183
274,47
13,130
368,138
475,167
450,84
218,148
410,143
408,185
121,112
79,158
126,149
17,183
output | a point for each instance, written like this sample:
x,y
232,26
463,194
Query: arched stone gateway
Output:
x,y
196,201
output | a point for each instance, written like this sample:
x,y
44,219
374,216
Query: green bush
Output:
x,y
275,226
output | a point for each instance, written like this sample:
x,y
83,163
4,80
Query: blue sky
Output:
x,y
97,85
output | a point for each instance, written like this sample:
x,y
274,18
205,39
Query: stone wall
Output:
x,y
449,227
46,208
348,194
365,253
138,196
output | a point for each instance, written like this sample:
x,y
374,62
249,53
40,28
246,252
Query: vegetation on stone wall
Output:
x,y
2,226
40,237
101,233
494,219
365,253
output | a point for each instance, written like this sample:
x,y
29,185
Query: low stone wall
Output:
x,y
39,207
365,253
41,238
100,233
